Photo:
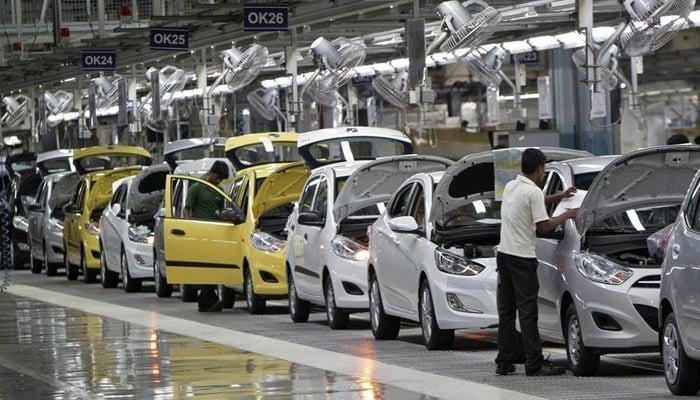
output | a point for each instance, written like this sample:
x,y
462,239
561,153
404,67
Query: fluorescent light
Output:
x,y
544,43
571,40
517,47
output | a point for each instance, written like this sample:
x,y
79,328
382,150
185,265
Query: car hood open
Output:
x,y
179,151
23,164
376,181
55,161
102,156
101,188
63,189
262,148
147,189
472,178
644,178
281,187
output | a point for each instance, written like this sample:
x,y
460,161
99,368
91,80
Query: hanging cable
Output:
x,y
5,242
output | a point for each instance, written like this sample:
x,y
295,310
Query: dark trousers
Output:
x,y
517,292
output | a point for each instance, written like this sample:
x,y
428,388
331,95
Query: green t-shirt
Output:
x,y
203,201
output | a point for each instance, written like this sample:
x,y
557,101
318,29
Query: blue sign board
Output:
x,y
362,80
98,60
531,58
265,17
170,39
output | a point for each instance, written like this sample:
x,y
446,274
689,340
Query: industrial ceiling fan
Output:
x,y
56,103
16,110
462,28
653,23
393,88
264,102
106,91
607,68
487,68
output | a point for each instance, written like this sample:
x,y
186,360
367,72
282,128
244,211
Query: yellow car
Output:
x,y
247,244
99,167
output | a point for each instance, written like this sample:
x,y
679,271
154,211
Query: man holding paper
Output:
x,y
523,214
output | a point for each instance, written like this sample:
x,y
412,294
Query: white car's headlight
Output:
x,y
266,242
55,225
600,269
349,249
453,264
92,228
140,234
20,223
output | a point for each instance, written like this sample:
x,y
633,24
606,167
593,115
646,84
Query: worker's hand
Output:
x,y
570,213
568,192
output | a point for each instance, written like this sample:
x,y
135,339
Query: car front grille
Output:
x,y
649,282
650,315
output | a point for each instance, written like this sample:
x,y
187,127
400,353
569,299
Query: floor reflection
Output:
x,y
49,352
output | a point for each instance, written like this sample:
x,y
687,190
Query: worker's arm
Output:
x,y
552,223
559,196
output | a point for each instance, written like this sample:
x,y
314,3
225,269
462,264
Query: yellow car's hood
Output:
x,y
281,187
101,187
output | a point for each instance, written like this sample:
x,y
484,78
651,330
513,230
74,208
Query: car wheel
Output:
x,y
34,264
582,360
384,327
682,373
337,318
163,289
129,284
109,279
298,309
72,271
256,304
227,296
89,276
434,337
189,293
51,268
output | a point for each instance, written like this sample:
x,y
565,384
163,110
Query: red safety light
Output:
x,y
17,46
126,10
65,32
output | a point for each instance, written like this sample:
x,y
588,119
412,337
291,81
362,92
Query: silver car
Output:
x,y
679,310
45,221
599,286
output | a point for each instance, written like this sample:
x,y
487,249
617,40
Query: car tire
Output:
x,y
298,309
72,271
51,268
89,276
129,284
227,296
583,361
110,279
163,289
337,318
384,327
35,265
188,293
434,337
256,304
682,373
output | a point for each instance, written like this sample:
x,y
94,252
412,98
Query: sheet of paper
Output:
x,y
570,202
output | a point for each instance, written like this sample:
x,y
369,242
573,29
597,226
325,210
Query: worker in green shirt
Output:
x,y
203,203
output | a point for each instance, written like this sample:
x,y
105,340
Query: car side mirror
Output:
x,y
116,208
71,209
231,214
36,207
310,218
405,224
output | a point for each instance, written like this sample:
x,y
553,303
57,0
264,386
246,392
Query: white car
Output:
x,y
327,241
599,284
432,257
126,229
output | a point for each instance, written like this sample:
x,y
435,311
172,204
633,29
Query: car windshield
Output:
x,y
584,181
371,210
266,153
646,219
55,166
89,164
481,211
198,153
362,148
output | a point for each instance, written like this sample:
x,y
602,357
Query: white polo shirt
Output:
x,y
522,208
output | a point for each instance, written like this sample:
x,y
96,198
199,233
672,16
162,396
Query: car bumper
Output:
x,y
465,302
268,272
349,283
92,251
54,246
140,256
633,309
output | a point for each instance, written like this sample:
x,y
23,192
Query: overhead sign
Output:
x,y
98,60
170,39
265,17
362,80
531,58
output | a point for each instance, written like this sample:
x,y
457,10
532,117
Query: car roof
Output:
x,y
341,169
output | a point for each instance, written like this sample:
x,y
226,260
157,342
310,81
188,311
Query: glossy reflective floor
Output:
x,y
51,352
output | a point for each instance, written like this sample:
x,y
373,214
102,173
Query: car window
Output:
x,y
418,207
212,199
41,194
243,196
555,184
692,214
236,188
402,202
307,196
321,200
79,194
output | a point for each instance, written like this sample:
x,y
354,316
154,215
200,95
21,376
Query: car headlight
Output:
x,y
349,249
140,234
453,264
92,228
266,242
55,225
20,223
601,269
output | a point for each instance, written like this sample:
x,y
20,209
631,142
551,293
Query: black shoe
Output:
x,y
504,368
215,307
547,369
